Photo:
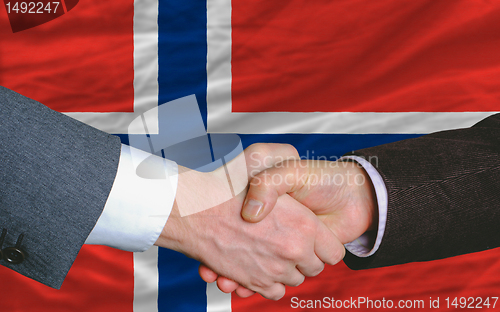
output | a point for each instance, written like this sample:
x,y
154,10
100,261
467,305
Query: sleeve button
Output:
x,y
13,255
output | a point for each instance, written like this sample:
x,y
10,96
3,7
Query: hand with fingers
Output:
x,y
340,194
288,245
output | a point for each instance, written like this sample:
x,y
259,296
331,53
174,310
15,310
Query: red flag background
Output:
x,y
294,56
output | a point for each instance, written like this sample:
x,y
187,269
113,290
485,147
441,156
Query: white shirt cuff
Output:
x,y
364,246
139,203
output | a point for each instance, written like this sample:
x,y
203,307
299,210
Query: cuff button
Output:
x,y
14,255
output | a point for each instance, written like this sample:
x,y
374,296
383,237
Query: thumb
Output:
x,y
268,185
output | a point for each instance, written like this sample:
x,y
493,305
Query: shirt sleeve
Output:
x,y
139,203
368,243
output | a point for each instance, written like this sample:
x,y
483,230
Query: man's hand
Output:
x,y
340,193
263,257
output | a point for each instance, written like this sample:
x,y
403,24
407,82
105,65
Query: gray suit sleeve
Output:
x,y
443,195
55,177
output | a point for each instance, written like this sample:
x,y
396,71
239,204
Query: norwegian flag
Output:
x,y
326,76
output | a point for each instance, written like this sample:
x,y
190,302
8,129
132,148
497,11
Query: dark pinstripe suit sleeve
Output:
x,y
55,176
443,195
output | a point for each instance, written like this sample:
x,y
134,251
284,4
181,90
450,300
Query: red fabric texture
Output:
x,y
81,60
473,275
365,56
101,279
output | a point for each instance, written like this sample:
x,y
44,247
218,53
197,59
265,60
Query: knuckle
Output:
x,y
287,150
259,283
337,255
292,151
308,228
294,251
278,270
266,179
276,293
262,149
318,269
299,281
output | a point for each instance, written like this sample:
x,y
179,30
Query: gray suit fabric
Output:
x,y
55,177
443,195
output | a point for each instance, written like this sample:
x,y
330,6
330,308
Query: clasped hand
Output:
x,y
296,216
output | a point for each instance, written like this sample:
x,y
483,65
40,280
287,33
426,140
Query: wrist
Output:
x,y
173,234
375,208
200,202
178,231
370,206
362,192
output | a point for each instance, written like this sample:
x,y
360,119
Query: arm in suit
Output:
x,y
55,176
443,192
443,195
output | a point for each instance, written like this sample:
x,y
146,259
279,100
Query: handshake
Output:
x,y
292,218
